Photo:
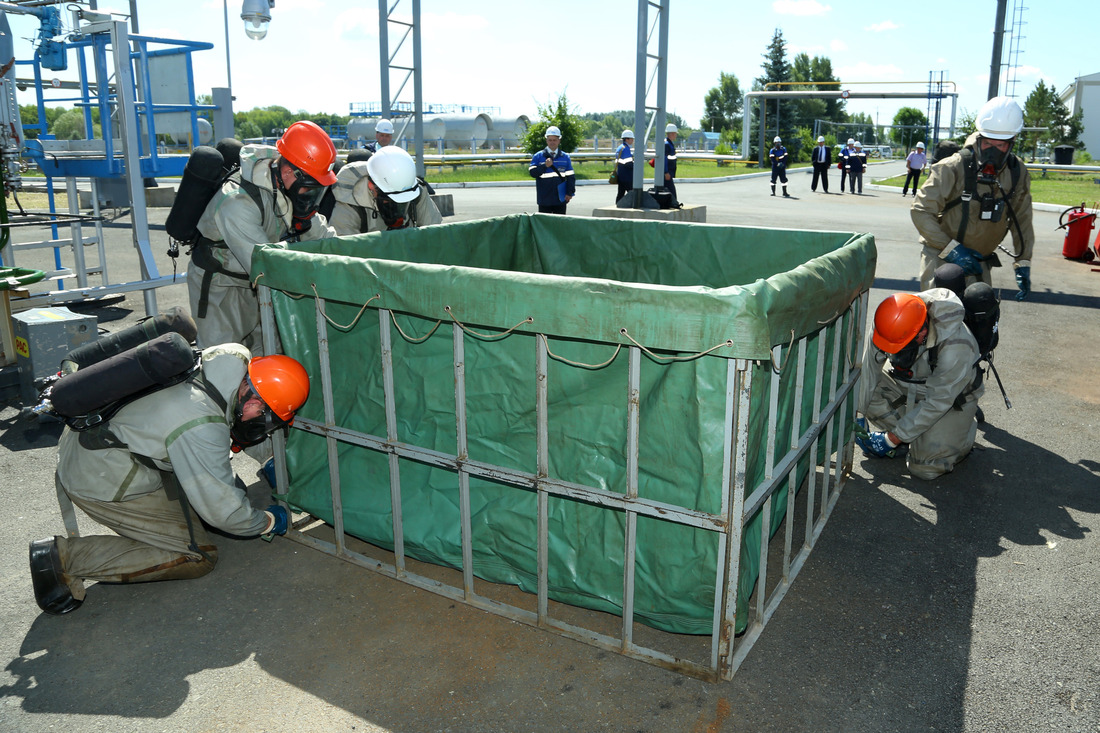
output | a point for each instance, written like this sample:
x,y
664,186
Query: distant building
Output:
x,y
1084,94
700,140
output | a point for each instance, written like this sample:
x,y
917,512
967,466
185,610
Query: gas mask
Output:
x,y
901,363
305,193
392,213
247,433
990,162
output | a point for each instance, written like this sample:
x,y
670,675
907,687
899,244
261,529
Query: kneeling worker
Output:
x,y
920,382
161,456
380,194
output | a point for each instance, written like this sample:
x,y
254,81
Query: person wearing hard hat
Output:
x,y
381,194
842,163
920,383
854,164
671,133
275,199
383,135
973,199
915,163
822,159
158,469
624,164
553,174
778,157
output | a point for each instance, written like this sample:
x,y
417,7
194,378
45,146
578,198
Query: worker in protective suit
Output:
x,y
920,383
275,200
159,465
974,198
381,194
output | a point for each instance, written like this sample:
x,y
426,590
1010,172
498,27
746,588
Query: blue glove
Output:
x,y
282,519
268,471
965,258
1023,282
875,445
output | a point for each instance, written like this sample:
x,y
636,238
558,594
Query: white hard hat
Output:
x,y
821,138
1000,119
851,141
920,146
671,128
553,130
859,144
777,139
627,135
394,171
384,126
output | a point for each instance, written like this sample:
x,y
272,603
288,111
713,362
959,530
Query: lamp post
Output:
x,y
256,15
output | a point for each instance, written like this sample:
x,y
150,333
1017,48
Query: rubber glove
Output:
x,y
965,258
268,471
1023,282
876,445
282,519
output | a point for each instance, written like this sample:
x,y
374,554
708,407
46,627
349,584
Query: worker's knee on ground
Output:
x,y
930,470
195,566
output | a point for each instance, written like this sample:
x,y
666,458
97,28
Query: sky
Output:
x,y
322,55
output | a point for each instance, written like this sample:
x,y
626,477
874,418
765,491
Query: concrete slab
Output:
x,y
695,213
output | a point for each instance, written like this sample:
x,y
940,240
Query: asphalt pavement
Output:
x,y
968,603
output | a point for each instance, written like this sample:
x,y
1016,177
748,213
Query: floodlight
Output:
x,y
256,15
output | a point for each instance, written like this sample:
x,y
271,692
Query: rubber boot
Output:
x,y
785,194
773,189
51,591
268,472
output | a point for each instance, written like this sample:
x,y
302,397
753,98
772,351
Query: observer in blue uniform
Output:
x,y
624,164
671,131
778,157
553,174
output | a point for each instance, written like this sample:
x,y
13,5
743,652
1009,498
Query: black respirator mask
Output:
x,y
901,363
990,162
305,193
392,213
247,433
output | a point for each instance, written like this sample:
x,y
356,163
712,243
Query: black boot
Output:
x,y
773,189
50,589
785,194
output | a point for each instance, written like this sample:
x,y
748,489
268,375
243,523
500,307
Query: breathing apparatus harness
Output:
x,y
992,207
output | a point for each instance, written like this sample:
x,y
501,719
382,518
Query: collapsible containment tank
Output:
x,y
606,413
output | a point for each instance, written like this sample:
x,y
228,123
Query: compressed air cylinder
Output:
x,y
160,361
174,321
201,177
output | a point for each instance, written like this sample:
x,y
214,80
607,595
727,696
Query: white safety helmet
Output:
x,y
920,146
553,130
851,141
384,126
777,139
671,128
859,144
1000,119
394,172
821,138
627,135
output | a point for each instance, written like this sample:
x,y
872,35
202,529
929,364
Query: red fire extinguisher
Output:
x,y
1078,227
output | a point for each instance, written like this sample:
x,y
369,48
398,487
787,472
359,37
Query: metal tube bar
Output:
x,y
792,481
331,445
462,456
732,547
77,238
542,457
386,345
634,372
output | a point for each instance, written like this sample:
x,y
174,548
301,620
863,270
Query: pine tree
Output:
x,y
776,69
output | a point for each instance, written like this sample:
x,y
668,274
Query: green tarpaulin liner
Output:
x,y
588,285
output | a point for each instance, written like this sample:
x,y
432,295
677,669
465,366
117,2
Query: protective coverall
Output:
x,y
938,225
356,210
934,409
120,474
230,311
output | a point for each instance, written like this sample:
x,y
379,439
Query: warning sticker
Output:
x,y
22,347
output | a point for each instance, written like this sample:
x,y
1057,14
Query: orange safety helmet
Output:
x,y
310,149
898,320
281,382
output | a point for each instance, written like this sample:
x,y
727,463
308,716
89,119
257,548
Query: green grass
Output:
x,y
584,170
1061,189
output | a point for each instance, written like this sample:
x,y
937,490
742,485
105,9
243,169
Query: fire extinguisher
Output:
x,y
1078,227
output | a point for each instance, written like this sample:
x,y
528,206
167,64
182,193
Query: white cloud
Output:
x,y
838,45
865,71
886,25
800,7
